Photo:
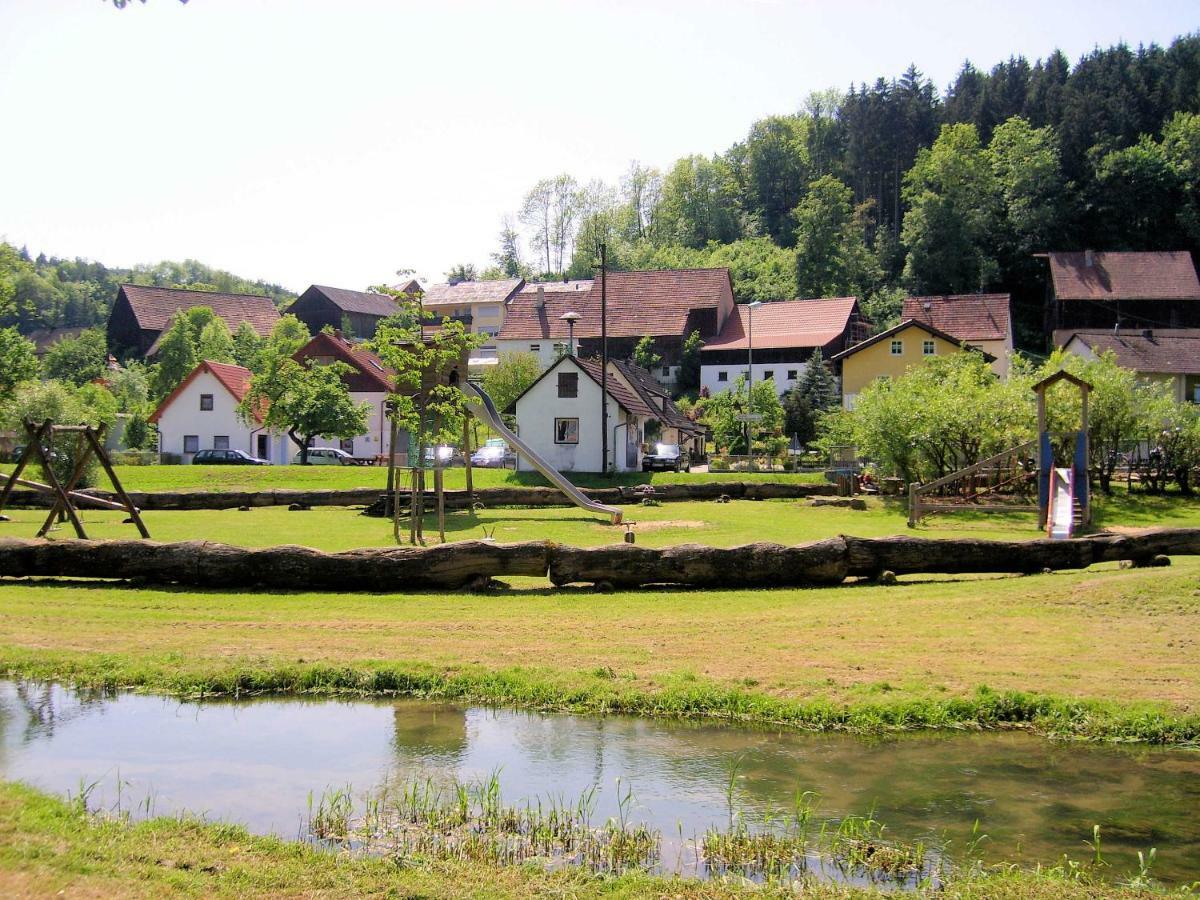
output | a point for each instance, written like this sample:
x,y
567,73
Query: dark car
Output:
x,y
667,457
226,458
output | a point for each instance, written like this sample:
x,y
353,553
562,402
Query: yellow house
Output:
x,y
892,353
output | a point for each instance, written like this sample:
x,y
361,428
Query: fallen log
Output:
x,y
45,493
205,564
456,565
751,565
907,555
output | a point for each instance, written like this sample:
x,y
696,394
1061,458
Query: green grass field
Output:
x,y
264,478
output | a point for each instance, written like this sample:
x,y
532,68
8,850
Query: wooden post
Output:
x,y
82,453
438,487
94,438
47,427
466,451
21,463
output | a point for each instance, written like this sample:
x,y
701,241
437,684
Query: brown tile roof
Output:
x,y
1124,276
45,338
1174,351
909,323
370,366
153,307
472,292
786,323
363,302
653,394
639,303
629,399
234,379
969,317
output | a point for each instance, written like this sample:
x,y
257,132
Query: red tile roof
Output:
x,y
472,292
1124,276
153,307
369,366
786,323
578,286
655,303
1174,351
969,317
628,398
234,379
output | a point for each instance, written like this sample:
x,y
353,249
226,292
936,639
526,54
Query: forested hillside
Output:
x,y
47,292
897,186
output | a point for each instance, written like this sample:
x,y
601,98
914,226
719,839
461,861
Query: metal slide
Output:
x,y
1062,505
485,410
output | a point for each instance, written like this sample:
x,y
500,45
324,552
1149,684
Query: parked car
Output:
x,y
227,458
494,454
667,457
447,456
325,456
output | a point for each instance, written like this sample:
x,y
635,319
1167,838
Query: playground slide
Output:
x,y
1062,505
486,410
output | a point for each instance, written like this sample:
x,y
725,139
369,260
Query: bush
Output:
x,y
718,465
62,404
134,458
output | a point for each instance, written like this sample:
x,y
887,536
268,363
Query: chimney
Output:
x,y
541,297
1089,258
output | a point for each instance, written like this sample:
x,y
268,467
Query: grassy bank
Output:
x,y
1100,653
49,846
265,478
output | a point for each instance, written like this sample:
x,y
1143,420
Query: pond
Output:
x,y
255,762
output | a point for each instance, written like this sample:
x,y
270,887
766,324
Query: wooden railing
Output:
x,y
999,483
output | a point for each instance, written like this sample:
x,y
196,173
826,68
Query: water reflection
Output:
x,y
256,761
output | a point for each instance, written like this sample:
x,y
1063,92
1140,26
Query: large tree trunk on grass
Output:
x,y
204,564
465,563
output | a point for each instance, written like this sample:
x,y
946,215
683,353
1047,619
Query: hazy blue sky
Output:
x,y
334,142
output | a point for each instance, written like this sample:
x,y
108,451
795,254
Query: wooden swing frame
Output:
x,y
89,443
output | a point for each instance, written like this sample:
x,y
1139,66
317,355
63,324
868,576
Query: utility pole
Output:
x,y
604,358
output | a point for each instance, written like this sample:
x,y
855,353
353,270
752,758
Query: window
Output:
x,y
722,376
667,371
769,373
897,348
927,348
568,386
347,445
566,431
489,330
220,442
793,374
206,402
191,443
534,348
486,311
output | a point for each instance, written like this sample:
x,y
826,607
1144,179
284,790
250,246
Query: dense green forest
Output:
x,y
897,187
47,292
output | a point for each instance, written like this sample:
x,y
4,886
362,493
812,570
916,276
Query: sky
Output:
x,y
338,141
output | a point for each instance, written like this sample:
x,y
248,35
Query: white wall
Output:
x,y
541,405
374,441
709,375
184,417
546,353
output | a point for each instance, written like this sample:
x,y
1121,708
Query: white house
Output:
x,y
559,417
368,382
782,336
1169,355
201,414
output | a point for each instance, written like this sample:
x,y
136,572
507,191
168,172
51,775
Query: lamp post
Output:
x,y
570,318
750,308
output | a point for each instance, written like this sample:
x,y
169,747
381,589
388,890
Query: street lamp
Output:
x,y
570,318
750,307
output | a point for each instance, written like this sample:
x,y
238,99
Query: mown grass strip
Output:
x,y
599,693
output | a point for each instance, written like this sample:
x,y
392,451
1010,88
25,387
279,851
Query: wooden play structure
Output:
x,y
89,442
1022,478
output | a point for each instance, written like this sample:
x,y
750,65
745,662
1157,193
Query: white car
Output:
x,y
325,456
